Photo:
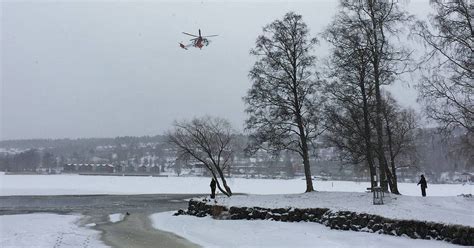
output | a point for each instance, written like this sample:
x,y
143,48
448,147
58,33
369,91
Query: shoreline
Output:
x,y
136,231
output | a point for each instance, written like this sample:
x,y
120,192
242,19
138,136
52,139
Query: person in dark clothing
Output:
x,y
423,185
213,188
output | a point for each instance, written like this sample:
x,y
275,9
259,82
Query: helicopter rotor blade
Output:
x,y
214,35
190,34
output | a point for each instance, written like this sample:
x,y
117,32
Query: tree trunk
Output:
x,y
307,170
394,183
367,137
378,99
380,151
227,190
391,184
305,153
394,188
302,133
221,189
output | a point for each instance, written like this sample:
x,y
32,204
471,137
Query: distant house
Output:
x,y
129,169
104,168
99,168
155,169
142,169
467,177
118,168
199,169
69,168
85,168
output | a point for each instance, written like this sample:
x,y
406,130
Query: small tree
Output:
x,y
283,103
207,140
290,171
178,165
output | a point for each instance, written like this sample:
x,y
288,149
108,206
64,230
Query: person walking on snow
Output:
x,y
423,184
213,188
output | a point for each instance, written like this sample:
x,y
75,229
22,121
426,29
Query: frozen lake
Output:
x,y
88,185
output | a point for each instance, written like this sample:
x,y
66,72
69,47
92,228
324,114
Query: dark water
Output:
x,y
134,231
93,204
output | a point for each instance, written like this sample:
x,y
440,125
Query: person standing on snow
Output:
x,y
423,184
213,188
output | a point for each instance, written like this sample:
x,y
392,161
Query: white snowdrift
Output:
x,y
448,209
114,218
84,185
45,231
208,232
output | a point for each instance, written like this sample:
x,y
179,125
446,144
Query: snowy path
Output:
x,y
264,233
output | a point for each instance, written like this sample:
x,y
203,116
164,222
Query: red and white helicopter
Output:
x,y
199,41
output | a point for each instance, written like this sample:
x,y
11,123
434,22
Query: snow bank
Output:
x,y
449,210
83,185
46,230
114,218
208,232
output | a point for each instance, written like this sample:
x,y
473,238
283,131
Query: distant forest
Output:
x,y
75,144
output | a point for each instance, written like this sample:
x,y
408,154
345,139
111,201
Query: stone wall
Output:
x,y
341,220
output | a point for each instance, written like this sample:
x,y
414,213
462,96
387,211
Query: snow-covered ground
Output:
x,y
82,185
441,209
114,218
208,232
46,230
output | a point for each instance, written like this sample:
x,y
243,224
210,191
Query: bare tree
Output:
x,y
178,164
447,87
350,92
283,103
207,140
345,131
380,23
400,126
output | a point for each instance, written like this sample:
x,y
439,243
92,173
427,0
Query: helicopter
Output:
x,y
199,41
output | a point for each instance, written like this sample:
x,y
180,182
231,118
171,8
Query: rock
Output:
x,y
432,233
201,214
456,241
355,228
376,227
180,212
268,215
387,228
343,220
280,210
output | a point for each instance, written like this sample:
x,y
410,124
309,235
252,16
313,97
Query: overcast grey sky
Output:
x,y
105,69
